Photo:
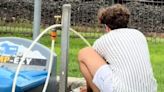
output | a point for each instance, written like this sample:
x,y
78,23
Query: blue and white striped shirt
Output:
x,y
127,53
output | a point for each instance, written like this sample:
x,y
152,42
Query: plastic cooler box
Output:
x,y
34,70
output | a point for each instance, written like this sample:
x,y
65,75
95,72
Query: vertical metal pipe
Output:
x,y
37,18
66,14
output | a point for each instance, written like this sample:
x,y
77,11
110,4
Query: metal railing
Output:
x,y
17,16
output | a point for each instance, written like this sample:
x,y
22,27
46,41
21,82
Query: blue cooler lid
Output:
x,y
26,80
5,84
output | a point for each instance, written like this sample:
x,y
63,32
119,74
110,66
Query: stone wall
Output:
x,y
16,10
146,17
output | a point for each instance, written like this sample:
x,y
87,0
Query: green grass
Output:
x,y
156,54
75,45
157,59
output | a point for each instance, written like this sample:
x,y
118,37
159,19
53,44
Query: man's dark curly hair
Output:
x,y
115,16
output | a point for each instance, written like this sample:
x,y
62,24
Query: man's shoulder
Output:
x,y
118,33
126,31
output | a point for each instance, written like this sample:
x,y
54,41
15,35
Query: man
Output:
x,y
119,60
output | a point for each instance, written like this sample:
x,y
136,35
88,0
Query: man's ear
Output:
x,y
107,29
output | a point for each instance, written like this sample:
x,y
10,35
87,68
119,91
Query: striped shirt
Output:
x,y
127,53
